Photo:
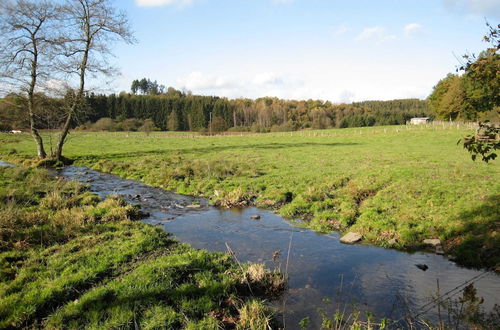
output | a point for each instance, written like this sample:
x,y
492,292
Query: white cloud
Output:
x,y
488,8
154,3
377,33
412,28
246,85
56,85
267,78
199,81
351,83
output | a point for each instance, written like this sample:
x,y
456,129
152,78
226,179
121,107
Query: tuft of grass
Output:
x,y
254,315
262,281
256,272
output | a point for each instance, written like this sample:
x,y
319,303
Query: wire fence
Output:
x,y
305,133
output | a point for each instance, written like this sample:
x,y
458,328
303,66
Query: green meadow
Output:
x,y
395,185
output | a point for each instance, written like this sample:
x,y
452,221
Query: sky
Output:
x,y
335,50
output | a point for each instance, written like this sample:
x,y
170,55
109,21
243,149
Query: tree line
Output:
x,y
176,110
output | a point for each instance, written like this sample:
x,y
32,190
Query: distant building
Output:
x,y
419,121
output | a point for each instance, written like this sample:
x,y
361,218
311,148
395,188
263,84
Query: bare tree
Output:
x,y
93,26
27,40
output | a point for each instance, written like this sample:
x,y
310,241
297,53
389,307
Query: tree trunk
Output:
x,y
39,142
31,102
64,133
36,136
76,101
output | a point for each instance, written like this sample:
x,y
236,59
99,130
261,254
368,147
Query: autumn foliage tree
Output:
x,y
469,95
472,95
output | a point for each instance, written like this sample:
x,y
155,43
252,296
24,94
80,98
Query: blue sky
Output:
x,y
333,50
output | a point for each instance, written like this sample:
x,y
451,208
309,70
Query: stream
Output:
x,y
323,273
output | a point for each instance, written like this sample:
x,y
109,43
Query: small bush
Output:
x,y
104,124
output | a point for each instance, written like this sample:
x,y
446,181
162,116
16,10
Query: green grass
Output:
x,y
70,260
384,182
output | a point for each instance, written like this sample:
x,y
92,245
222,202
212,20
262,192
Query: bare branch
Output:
x,y
97,25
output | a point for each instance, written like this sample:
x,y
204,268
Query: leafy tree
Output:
x,y
147,87
454,103
447,96
482,73
482,78
143,85
482,81
135,86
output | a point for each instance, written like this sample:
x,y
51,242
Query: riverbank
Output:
x,y
72,260
396,186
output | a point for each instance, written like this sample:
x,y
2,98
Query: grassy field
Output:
x,y
397,182
71,261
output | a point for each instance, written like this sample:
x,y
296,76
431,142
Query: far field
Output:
x,y
397,182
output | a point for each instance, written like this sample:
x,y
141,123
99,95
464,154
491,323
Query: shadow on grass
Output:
x,y
477,242
212,149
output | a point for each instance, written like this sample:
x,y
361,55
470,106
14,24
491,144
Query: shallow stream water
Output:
x,y
323,273
4,164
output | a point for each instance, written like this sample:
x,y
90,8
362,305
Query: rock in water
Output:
x,y
194,206
351,238
255,217
439,250
432,241
423,267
